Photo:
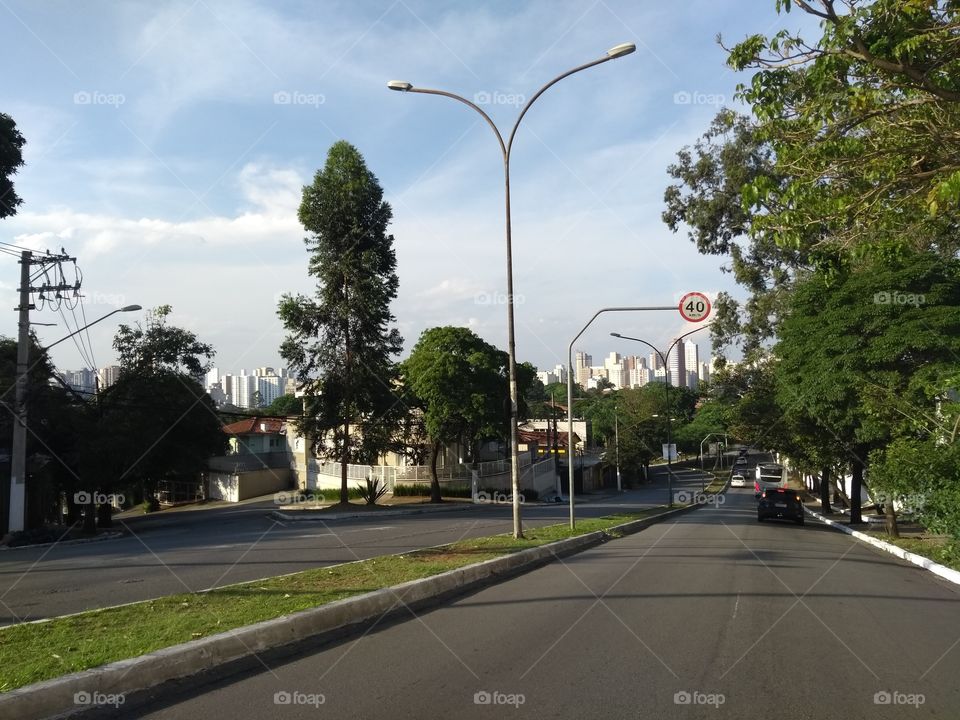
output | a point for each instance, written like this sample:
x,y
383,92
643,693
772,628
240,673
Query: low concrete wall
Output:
x,y
234,487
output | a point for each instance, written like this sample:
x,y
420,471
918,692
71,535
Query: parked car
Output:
x,y
780,503
738,481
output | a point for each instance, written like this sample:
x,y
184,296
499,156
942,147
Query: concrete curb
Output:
x,y
948,574
307,515
78,541
57,697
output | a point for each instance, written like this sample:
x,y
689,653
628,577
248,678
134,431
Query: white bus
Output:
x,y
769,475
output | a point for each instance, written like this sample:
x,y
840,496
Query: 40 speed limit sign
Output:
x,y
694,307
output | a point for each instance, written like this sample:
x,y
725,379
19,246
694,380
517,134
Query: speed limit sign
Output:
x,y
694,307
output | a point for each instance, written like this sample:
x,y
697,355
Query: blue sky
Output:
x,y
168,143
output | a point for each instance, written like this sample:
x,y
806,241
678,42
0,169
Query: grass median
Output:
x,y
32,652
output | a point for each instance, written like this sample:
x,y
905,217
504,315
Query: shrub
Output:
x,y
372,491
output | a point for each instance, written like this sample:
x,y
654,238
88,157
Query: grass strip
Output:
x,y
940,550
32,652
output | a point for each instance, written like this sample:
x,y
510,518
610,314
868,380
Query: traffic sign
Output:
x,y
695,307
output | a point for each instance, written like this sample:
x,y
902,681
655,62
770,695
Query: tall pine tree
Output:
x,y
339,342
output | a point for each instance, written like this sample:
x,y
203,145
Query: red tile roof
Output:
x,y
256,426
540,436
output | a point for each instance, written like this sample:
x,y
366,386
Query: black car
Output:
x,y
780,503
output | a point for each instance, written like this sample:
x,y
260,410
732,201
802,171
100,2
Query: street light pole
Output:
x,y
598,313
616,435
666,389
18,457
505,149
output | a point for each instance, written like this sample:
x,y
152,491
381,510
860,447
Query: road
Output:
x,y
712,615
188,551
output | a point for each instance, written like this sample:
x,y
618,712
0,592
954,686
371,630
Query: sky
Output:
x,y
168,144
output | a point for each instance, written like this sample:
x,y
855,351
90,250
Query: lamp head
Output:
x,y
399,85
620,50
131,308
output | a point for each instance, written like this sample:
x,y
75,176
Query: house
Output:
x,y
258,462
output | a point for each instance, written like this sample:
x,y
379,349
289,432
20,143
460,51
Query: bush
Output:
x,y
423,490
373,490
150,504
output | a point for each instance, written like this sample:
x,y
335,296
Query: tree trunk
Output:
x,y
856,485
825,491
345,455
344,461
890,516
90,517
434,480
104,515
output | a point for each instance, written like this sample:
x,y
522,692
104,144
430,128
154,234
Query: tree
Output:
x,y
865,352
708,199
53,437
156,422
460,381
158,346
285,406
864,125
11,160
339,341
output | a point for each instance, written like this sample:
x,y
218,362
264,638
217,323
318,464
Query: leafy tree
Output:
x,y
158,346
52,439
11,160
863,122
156,422
708,199
339,341
285,406
865,352
460,381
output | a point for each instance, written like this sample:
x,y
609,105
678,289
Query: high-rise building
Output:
x,y
244,389
582,362
704,372
108,375
82,381
677,366
613,365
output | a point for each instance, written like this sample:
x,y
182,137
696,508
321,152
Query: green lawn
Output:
x,y
39,651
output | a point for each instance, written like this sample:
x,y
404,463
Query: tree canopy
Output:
x,y
11,160
339,341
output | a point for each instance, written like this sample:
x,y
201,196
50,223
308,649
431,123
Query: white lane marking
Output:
x,y
735,606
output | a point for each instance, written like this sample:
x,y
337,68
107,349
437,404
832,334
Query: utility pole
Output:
x,y
18,459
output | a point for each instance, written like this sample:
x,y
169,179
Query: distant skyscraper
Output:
x,y
677,366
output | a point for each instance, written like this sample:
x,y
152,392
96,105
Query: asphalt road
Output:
x,y
187,551
712,615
